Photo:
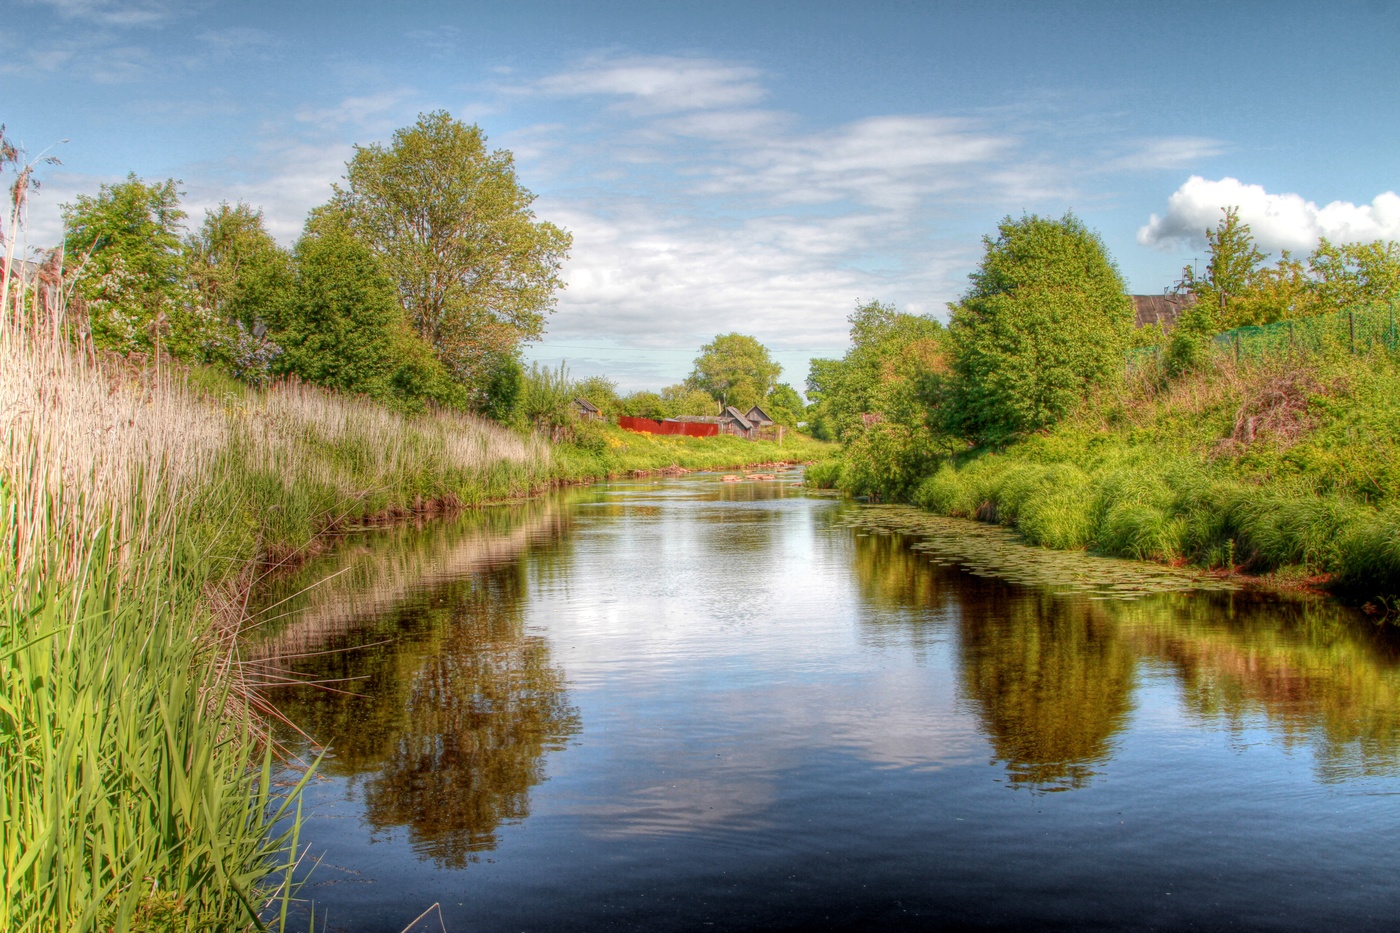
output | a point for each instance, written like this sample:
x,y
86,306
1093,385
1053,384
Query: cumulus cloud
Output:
x,y
1278,221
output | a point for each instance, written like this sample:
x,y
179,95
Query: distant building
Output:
x,y
731,422
586,410
758,417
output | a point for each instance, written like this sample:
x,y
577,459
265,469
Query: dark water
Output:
x,y
691,706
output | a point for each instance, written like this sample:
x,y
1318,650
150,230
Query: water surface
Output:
x,y
688,705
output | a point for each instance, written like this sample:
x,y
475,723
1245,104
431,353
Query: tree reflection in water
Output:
x,y
452,712
1051,677
1051,680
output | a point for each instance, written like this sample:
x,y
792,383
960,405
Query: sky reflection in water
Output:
x,y
661,705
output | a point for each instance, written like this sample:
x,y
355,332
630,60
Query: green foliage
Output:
x,y
784,405
546,402
131,277
1045,322
343,323
236,268
736,370
893,371
1230,272
680,400
646,405
601,392
475,270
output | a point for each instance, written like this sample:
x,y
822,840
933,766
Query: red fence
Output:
x,y
688,428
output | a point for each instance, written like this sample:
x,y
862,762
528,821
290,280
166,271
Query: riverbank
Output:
x,y
139,504
1284,467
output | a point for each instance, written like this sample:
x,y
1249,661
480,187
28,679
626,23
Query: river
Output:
x,y
691,705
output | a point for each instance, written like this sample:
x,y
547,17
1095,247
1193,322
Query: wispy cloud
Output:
x,y
1171,152
1277,221
656,84
125,13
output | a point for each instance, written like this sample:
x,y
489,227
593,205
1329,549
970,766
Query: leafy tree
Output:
x,y
343,324
475,270
236,267
645,405
127,239
888,372
1230,276
1046,319
1355,274
602,392
682,400
547,401
784,405
735,369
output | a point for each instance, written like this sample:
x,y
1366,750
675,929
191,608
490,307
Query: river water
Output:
x,y
690,705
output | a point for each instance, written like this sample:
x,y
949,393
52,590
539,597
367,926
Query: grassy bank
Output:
x,y
136,505
1285,464
600,451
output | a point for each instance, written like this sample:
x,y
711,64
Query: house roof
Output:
x,y
732,413
586,405
1161,309
758,414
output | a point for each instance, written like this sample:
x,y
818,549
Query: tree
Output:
x,y
236,267
735,370
127,240
892,358
784,405
343,324
1045,320
682,399
476,272
1230,273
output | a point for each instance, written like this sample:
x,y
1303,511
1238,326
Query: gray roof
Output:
x,y
586,405
730,412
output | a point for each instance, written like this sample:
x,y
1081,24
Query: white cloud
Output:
x,y
655,84
358,112
1277,221
117,12
1167,152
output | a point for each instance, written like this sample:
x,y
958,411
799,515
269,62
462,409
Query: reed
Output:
x,y
134,776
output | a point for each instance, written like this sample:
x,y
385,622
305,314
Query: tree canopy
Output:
x,y
475,271
127,239
735,369
1046,319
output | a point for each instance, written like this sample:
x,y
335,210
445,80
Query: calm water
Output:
x,y
687,705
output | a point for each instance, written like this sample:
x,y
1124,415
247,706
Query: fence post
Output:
x,y
1237,348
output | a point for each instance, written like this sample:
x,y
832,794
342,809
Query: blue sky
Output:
x,y
752,166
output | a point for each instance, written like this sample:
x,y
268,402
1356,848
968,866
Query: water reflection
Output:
x,y
1052,677
444,705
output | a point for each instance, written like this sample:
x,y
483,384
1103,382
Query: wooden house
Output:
x,y
758,418
586,410
732,422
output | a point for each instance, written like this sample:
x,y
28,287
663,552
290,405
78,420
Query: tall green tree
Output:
x,y
735,369
885,373
236,267
1229,282
342,327
475,270
126,242
1045,320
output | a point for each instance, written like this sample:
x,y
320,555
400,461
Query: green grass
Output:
x,y
599,451
1285,464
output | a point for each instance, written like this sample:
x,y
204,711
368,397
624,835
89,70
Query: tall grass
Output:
x,y
1276,464
135,786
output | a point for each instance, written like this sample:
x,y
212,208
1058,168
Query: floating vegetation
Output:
x,y
997,552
